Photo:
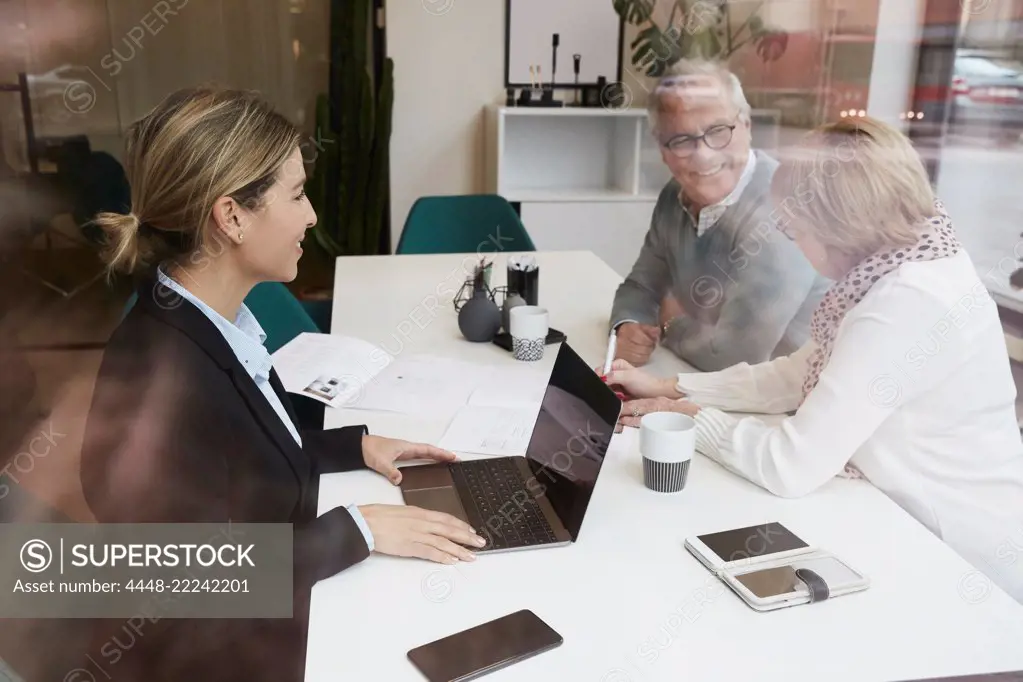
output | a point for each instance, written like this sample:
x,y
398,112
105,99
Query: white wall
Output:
x,y
448,65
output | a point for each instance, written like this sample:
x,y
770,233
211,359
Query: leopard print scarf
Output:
x,y
937,240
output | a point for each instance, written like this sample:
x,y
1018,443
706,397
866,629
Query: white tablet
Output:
x,y
741,546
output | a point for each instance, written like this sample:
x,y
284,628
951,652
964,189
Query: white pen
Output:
x,y
612,343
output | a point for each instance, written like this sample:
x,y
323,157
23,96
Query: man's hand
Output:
x,y
636,342
380,454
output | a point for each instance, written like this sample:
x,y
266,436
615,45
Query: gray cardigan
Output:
x,y
747,290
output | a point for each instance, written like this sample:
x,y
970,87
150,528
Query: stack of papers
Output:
x,y
343,371
510,387
329,368
494,407
421,384
501,413
490,430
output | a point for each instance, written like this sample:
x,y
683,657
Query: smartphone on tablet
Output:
x,y
485,648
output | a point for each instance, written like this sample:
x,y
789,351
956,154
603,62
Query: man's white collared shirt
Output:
x,y
710,215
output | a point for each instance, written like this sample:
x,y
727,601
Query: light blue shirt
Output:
x,y
246,337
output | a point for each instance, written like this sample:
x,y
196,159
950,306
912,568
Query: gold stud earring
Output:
x,y
241,236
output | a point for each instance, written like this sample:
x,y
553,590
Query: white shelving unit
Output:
x,y
585,178
572,154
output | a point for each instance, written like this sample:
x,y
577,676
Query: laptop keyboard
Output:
x,y
499,505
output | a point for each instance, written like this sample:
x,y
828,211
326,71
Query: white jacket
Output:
x,y
917,395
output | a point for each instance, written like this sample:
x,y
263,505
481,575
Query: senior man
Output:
x,y
715,281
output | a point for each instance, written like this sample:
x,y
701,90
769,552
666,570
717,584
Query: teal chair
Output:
x,y
474,223
280,314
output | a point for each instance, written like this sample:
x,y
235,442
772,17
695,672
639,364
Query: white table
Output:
x,y
631,603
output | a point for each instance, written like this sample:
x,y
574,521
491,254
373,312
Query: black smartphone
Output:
x,y
750,542
485,648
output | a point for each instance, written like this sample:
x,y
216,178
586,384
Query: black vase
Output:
x,y
479,319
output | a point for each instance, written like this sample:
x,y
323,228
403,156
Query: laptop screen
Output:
x,y
572,432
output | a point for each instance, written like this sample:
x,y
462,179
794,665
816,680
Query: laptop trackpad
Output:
x,y
438,499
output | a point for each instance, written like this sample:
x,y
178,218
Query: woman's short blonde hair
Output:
x,y
856,185
197,145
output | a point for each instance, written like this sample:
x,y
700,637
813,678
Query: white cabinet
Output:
x,y
586,178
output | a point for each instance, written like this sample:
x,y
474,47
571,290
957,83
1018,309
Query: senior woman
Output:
x,y
906,378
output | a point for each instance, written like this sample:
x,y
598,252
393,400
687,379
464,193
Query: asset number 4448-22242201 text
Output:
x,y
184,585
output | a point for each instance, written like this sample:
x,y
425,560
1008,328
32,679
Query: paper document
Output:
x,y
511,387
484,430
329,368
418,384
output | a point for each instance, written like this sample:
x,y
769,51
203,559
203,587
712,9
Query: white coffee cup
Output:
x,y
666,442
528,328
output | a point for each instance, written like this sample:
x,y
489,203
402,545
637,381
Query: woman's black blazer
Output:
x,y
178,432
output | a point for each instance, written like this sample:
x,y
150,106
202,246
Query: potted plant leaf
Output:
x,y
695,29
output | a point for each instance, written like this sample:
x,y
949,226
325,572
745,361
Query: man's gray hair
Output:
x,y
690,76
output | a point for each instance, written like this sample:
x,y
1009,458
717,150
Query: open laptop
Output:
x,y
538,500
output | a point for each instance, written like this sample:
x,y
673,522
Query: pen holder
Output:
x,y
525,283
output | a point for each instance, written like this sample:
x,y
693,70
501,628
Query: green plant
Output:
x,y
349,183
695,29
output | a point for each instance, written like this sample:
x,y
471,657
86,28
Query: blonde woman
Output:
x,y
905,380
189,421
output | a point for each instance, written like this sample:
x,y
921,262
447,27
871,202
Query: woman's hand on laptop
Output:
x,y
381,453
400,530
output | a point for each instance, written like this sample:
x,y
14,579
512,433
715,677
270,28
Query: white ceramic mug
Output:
x,y
666,442
528,328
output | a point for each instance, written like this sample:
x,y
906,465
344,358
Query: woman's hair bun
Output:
x,y
122,250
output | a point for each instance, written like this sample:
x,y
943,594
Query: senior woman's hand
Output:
x,y
637,383
633,410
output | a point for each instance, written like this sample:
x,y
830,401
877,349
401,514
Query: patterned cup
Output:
x,y
529,325
666,442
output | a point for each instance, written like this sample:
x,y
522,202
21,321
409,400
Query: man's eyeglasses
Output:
x,y
715,137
